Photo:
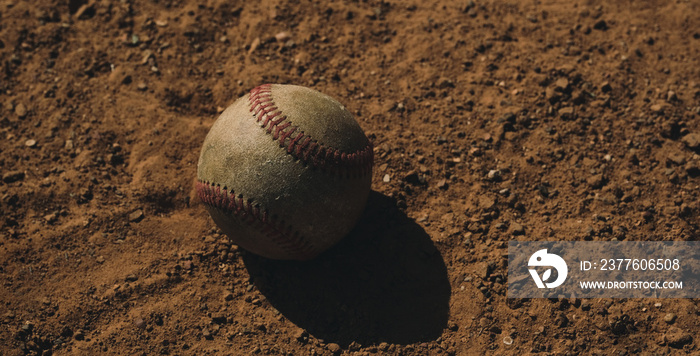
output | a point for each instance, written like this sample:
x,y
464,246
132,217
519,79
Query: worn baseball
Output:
x,y
285,172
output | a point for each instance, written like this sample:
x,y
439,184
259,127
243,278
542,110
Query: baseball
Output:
x,y
285,172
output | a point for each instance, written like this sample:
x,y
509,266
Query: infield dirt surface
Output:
x,y
491,121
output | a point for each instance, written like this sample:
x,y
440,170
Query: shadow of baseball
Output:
x,y
385,282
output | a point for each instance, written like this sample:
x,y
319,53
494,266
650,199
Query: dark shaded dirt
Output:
x,y
492,121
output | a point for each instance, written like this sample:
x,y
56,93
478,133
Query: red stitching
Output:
x,y
247,211
303,147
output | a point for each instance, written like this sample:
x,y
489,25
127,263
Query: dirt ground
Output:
x,y
491,121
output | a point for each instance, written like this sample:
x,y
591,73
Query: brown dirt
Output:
x,y
552,120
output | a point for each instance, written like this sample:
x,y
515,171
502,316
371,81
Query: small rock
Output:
x,y
517,229
187,265
676,337
685,210
207,334
692,140
147,55
693,168
597,181
228,296
562,84
670,318
486,202
301,335
283,36
494,175
68,145
508,340
12,176
142,86
132,278
442,184
671,96
100,259
566,113
140,323
50,218
334,348
30,143
676,158
657,108
136,216
254,45
79,335
386,179
21,110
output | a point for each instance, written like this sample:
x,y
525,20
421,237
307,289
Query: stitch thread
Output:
x,y
302,146
247,211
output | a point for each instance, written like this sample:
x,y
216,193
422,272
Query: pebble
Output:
x,y
254,45
670,318
30,143
486,202
147,55
692,140
508,340
676,158
140,323
596,181
228,296
494,175
301,335
187,265
386,179
566,113
671,96
517,228
21,110
136,216
677,338
50,217
562,84
142,86
656,108
283,36
69,145
334,348
100,259
12,176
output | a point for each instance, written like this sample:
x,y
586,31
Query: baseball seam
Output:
x,y
247,211
301,145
